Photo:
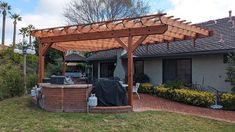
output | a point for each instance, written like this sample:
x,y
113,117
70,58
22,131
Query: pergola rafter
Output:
x,y
126,33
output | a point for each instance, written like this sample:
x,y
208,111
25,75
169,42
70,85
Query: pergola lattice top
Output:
x,y
106,35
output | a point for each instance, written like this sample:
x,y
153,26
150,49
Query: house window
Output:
x,y
107,69
177,70
139,67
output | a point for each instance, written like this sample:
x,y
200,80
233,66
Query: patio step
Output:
x,y
111,109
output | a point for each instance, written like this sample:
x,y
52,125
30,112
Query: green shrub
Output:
x,y
11,81
231,70
11,74
146,88
1,89
31,81
53,69
175,84
228,101
194,97
141,78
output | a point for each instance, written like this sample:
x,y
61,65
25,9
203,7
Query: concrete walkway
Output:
x,y
148,102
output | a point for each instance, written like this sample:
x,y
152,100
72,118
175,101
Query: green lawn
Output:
x,y
18,114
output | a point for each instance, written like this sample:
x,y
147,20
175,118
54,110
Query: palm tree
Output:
x,y
15,17
30,28
24,31
5,7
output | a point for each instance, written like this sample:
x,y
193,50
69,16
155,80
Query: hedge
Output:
x,y
199,98
228,101
195,97
146,88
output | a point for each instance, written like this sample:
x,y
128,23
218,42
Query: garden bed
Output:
x,y
189,96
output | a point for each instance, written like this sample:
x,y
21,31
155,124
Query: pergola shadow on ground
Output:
x,y
128,33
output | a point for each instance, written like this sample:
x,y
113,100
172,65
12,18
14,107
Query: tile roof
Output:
x,y
222,40
3,47
74,58
104,55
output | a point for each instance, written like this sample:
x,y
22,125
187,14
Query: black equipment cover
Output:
x,y
110,93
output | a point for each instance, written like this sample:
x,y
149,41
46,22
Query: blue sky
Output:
x,y
26,6
48,13
23,6
162,5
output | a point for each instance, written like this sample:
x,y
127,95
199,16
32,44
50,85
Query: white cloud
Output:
x,y
48,13
201,10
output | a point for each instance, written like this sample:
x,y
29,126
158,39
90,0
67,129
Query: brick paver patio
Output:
x,y
148,102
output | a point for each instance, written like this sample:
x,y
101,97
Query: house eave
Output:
x,y
183,54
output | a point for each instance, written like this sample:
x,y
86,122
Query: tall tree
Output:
x,y
15,17
30,28
5,7
88,11
24,31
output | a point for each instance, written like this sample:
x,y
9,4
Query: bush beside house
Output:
x,y
194,97
228,101
188,96
146,88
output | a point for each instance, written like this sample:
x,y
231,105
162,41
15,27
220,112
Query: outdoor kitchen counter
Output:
x,y
65,98
48,85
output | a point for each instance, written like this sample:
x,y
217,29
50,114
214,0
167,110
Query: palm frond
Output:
x,y
15,17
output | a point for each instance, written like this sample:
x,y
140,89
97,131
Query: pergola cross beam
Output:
x,y
125,46
45,48
138,42
159,29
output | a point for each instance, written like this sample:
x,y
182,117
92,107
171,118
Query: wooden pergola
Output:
x,y
126,33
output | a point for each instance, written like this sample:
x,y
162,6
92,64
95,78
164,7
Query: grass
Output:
x,y
18,114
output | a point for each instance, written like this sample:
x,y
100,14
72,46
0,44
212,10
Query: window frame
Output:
x,y
176,59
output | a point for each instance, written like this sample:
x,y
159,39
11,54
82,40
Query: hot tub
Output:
x,y
65,98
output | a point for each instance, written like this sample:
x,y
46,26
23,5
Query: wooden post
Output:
x,y
64,68
41,63
130,47
130,71
64,65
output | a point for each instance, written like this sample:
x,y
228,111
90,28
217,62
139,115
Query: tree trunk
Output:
x,y
30,39
23,38
14,34
3,26
25,85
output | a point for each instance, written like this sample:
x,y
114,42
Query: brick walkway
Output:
x,y
148,102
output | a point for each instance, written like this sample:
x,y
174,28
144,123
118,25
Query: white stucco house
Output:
x,y
204,62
